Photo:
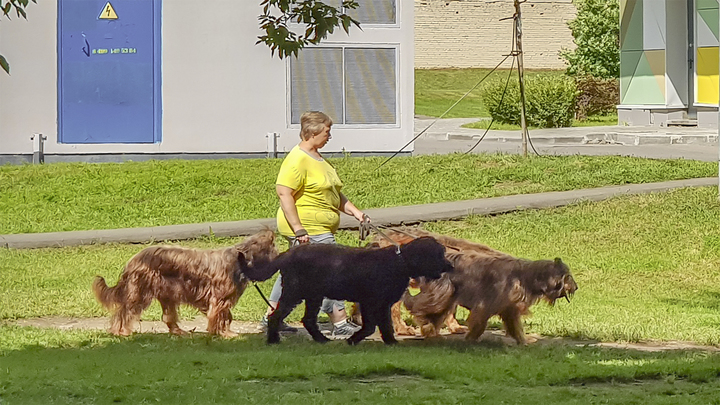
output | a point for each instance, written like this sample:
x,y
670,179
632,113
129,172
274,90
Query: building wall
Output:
x,y
221,92
468,33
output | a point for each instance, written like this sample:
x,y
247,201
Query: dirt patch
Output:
x,y
199,324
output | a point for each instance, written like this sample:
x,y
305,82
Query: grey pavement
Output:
x,y
447,136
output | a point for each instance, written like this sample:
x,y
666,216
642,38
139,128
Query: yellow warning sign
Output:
x,y
108,13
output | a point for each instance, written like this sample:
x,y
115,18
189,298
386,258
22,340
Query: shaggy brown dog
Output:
x,y
487,286
209,280
375,278
404,235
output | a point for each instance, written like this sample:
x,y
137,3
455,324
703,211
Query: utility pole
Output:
x,y
521,73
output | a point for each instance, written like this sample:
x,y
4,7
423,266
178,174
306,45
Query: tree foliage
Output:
x,y
596,32
315,17
316,20
7,6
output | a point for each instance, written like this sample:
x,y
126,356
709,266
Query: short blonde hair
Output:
x,y
312,123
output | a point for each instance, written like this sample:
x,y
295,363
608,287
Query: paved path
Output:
x,y
447,136
492,336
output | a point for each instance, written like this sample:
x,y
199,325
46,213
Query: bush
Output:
x,y
596,96
549,101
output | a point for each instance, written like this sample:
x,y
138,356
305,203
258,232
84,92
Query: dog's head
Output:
x,y
425,257
257,250
555,281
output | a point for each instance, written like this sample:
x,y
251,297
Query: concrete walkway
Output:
x,y
381,216
449,129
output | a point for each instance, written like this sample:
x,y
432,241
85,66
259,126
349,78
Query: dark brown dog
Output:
x,y
210,280
375,278
404,235
487,286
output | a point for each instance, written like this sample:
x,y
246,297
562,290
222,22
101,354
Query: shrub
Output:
x,y
549,101
596,96
492,94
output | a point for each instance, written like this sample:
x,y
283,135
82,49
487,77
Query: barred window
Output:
x,y
370,11
353,85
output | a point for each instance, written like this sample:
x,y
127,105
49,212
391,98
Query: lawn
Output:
x,y
647,268
85,196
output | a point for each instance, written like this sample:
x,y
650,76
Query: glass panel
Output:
x,y
370,89
316,83
374,12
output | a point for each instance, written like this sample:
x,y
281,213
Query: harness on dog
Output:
x,y
366,227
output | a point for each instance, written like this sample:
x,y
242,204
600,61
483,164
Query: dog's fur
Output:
x,y
405,235
490,285
209,280
373,277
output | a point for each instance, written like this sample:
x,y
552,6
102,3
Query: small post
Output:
x,y
38,148
272,144
521,74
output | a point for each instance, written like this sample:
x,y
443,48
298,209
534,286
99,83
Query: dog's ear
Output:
x,y
241,258
558,261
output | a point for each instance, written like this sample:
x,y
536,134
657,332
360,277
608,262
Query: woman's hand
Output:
x,y
301,236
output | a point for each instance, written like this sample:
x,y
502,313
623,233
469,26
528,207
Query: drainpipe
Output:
x,y
38,148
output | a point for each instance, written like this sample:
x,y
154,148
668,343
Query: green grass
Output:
x,y
82,196
647,268
436,90
90,368
594,121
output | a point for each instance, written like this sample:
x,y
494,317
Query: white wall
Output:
x,y
221,92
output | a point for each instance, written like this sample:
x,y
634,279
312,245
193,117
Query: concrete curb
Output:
x,y
590,138
381,216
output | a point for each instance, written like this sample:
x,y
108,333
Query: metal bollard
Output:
x,y
272,138
38,148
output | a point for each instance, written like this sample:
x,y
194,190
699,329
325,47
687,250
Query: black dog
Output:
x,y
374,278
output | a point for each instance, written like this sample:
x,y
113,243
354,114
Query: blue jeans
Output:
x,y
328,305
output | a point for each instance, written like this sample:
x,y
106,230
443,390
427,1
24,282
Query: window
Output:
x,y
353,85
370,11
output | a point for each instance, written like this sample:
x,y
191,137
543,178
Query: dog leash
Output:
x,y
366,227
293,244
263,296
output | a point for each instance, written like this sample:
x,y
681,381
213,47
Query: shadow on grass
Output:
x,y
93,367
704,299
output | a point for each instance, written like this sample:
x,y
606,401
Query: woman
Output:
x,y
310,202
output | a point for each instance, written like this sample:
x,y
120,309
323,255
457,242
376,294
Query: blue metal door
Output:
x,y
109,87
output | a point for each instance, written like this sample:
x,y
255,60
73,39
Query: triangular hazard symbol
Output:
x,y
108,13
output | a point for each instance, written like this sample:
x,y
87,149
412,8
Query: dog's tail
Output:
x,y
107,296
435,297
262,272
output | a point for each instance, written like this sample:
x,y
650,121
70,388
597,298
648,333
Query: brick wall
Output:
x,y
468,33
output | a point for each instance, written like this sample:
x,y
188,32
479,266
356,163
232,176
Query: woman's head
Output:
x,y
313,123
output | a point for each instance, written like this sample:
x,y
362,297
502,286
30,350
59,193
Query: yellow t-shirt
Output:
x,y
317,193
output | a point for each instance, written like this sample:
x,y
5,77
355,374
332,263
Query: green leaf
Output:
x,y
4,64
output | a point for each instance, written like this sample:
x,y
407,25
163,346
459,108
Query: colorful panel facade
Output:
x,y
642,53
707,26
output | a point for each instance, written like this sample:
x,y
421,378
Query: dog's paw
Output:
x,y
228,334
457,330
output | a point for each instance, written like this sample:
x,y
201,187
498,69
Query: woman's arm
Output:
x,y
287,204
349,208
